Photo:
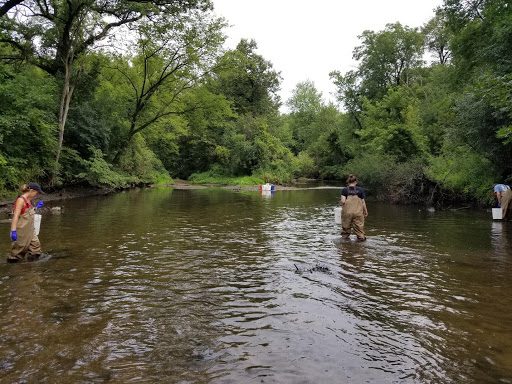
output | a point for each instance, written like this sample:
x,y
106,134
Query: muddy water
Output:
x,y
214,286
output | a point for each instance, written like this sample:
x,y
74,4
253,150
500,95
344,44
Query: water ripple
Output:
x,y
221,287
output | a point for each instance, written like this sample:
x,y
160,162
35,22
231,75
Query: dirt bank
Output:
x,y
63,194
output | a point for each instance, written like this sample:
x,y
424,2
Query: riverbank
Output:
x,y
63,194
80,192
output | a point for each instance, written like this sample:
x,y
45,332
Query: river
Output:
x,y
217,286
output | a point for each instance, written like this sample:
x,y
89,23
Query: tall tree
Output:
x,y
56,34
170,60
438,36
349,93
305,105
248,80
386,58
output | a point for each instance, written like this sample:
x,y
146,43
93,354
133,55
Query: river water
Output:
x,y
217,286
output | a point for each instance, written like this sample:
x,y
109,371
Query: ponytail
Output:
x,y
351,179
24,188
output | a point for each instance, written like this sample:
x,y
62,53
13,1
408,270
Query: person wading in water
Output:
x,y
25,243
503,195
354,209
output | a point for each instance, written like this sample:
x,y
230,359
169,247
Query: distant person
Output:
x,y
354,209
25,243
503,195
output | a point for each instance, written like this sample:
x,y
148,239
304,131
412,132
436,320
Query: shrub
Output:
x,y
389,179
100,174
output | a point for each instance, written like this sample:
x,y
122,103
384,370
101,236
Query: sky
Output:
x,y
305,40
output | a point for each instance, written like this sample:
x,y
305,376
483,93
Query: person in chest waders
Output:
x,y
503,195
354,209
25,243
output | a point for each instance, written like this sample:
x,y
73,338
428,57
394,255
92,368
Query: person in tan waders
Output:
x,y
354,209
25,243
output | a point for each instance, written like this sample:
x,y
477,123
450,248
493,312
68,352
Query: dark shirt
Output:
x,y
349,191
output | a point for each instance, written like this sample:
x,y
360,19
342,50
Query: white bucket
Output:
x,y
37,223
337,215
497,214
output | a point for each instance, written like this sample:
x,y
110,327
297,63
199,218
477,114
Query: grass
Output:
x,y
209,178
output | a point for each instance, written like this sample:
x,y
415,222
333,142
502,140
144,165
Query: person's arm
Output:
x,y
15,218
343,196
17,211
365,210
498,197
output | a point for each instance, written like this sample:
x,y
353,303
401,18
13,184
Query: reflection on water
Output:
x,y
233,287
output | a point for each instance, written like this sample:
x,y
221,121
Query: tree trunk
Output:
x,y
67,92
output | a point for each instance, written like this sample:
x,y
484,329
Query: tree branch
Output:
x,y
8,5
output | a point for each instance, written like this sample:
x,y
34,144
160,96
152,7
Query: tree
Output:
x,y
247,80
7,5
193,141
305,98
483,35
332,147
55,35
438,36
392,125
348,93
170,60
27,127
305,105
386,58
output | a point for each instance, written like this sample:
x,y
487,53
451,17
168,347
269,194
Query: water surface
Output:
x,y
216,286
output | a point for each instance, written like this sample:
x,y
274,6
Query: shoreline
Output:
x,y
77,192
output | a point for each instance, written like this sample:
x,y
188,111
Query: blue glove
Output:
x,y
40,204
14,235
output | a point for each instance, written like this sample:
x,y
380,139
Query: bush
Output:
x,y
464,172
304,166
215,176
141,163
277,172
100,174
389,179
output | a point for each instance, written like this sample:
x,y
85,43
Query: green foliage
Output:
x,y
392,126
99,173
277,172
216,176
247,80
334,144
436,99
27,125
304,166
387,58
305,105
251,146
387,178
438,35
373,169
464,172
9,178
141,163
178,105
505,134
193,142
483,36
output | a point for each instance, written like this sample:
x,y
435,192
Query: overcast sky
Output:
x,y
305,40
